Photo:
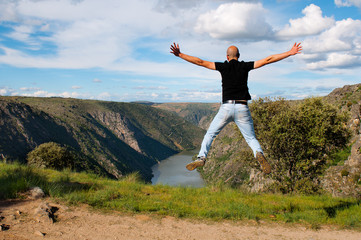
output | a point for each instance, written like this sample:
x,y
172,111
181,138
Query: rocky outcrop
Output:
x,y
345,179
121,127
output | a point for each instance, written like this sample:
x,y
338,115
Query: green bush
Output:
x,y
52,155
297,137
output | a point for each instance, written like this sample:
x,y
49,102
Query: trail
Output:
x,y
83,223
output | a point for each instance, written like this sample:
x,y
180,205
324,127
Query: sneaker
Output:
x,y
266,168
197,163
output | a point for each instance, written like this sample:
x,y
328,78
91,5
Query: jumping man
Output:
x,y
235,96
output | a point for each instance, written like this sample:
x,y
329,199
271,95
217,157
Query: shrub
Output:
x,y
52,155
344,173
297,136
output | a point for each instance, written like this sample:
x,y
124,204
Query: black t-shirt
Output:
x,y
234,79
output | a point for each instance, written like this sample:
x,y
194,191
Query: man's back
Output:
x,y
234,79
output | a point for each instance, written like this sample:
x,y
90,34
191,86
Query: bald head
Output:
x,y
232,53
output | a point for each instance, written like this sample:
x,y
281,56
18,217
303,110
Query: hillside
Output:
x,y
116,138
200,114
231,161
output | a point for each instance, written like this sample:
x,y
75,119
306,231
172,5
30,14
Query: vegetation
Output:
x,y
56,156
298,137
117,138
215,203
52,155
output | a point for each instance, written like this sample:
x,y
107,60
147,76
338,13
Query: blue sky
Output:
x,y
118,50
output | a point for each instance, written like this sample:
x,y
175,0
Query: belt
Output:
x,y
236,102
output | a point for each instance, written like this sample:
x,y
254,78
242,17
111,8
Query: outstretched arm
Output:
x,y
277,57
176,51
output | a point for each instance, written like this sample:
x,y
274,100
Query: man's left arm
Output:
x,y
277,57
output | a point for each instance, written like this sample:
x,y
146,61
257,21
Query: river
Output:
x,y
172,171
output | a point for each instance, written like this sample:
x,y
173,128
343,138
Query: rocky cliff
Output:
x,y
118,137
345,178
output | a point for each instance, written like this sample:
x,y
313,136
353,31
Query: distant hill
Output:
x,y
200,114
145,103
117,138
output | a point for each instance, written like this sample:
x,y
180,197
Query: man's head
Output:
x,y
232,53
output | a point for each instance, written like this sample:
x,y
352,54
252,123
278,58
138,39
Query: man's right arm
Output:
x,y
296,49
195,60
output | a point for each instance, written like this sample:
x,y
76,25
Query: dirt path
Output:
x,y
24,220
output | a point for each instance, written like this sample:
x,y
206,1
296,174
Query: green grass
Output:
x,y
215,203
340,156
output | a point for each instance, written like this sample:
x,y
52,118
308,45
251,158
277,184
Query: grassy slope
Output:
x,y
130,195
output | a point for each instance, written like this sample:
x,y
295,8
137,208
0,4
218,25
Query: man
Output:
x,y
234,99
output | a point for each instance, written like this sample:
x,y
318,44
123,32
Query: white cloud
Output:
x,y
84,34
4,91
65,94
151,87
345,35
337,47
7,11
336,60
311,24
21,33
195,95
348,3
29,89
235,20
41,94
132,38
96,80
176,6
104,96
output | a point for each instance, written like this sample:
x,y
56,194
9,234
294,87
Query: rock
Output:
x,y
36,193
355,157
341,186
44,213
258,182
4,227
38,233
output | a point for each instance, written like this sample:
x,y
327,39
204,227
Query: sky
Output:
x,y
118,50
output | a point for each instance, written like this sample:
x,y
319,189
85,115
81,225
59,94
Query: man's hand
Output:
x,y
175,49
296,49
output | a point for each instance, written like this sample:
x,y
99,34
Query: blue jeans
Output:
x,y
228,112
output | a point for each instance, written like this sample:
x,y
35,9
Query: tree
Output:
x,y
297,137
52,155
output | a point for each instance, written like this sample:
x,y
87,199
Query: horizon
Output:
x,y
119,50
153,102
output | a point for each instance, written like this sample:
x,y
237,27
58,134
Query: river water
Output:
x,y
172,171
